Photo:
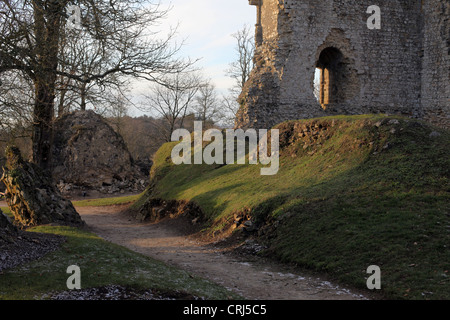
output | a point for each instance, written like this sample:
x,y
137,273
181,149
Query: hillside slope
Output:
x,y
351,192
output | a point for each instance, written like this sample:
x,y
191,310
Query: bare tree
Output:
x,y
172,101
239,70
229,107
207,107
80,51
31,34
117,112
16,97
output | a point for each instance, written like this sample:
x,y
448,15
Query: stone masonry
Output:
x,y
89,155
402,68
33,197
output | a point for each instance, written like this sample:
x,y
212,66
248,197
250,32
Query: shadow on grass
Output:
x,y
386,206
101,263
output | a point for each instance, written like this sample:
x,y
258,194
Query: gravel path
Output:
x,y
247,275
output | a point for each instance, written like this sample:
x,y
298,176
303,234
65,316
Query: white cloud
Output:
x,y
208,25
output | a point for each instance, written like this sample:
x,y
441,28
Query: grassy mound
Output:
x,y
352,191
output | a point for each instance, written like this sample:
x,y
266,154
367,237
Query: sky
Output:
x,y
206,27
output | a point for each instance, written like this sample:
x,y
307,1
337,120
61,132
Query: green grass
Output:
x,y
101,263
7,211
107,201
100,202
361,194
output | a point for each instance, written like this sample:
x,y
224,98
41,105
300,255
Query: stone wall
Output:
x,y
381,69
436,62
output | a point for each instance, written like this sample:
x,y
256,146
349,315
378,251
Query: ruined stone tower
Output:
x,y
322,57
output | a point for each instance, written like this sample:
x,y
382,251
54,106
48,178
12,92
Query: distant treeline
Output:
x,y
143,135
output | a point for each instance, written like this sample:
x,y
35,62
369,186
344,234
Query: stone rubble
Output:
x,y
117,293
33,197
18,247
89,156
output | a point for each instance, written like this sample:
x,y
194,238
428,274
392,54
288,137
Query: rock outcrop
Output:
x,y
7,230
89,155
33,197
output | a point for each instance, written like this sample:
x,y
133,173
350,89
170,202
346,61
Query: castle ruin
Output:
x,y
316,58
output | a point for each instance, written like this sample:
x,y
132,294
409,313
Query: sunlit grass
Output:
x,y
112,201
368,194
7,212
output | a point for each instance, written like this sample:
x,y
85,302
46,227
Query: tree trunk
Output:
x,y
48,19
43,125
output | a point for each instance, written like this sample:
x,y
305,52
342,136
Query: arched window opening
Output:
x,y
328,77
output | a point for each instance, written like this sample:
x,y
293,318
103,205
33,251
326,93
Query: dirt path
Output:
x,y
247,276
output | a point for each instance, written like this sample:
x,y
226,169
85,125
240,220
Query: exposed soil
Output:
x,y
175,242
